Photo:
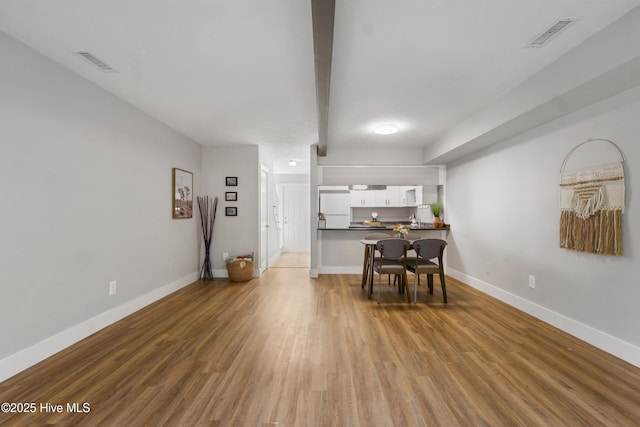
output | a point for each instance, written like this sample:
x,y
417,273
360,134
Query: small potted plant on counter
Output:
x,y
436,210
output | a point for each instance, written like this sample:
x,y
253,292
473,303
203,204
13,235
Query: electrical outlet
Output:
x,y
225,255
112,287
532,281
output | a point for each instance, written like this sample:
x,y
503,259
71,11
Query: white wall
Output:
x,y
503,204
86,200
605,64
233,234
292,178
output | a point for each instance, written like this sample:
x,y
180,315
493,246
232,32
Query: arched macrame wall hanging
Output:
x,y
591,206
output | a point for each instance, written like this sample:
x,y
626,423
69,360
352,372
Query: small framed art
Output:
x,y
182,194
232,181
231,211
231,196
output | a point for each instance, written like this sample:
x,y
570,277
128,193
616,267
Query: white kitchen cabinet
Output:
x,y
381,198
363,198
390,197
404,196
394,196
426,194
410,196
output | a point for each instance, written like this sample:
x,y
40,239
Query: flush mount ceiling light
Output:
x,y
387,129
292,162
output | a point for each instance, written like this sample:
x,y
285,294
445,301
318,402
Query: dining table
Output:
x,y
369,257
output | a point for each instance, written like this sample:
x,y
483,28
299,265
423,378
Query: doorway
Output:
x,y
293,260
295,218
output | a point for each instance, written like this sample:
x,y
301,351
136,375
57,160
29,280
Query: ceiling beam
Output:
x,y
323,13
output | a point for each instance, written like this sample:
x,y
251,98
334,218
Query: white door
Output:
x,y
264,219
296,219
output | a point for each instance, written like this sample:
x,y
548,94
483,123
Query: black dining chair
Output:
x,y
393,260
409,236
369,254
426,251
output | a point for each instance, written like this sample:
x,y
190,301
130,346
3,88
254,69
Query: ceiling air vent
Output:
x,y
95,61
553,31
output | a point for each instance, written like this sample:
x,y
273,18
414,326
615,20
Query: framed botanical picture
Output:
x,y
231,196
232,181
182,194
231,211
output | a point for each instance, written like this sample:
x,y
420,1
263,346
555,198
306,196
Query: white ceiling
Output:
x,y
242,71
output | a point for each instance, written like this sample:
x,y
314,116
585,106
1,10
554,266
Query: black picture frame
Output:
x,y
231,211
230,196
232,181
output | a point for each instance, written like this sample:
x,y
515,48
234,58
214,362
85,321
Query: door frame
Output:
x,y
264,214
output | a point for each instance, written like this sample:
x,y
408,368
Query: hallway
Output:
x,y
293,260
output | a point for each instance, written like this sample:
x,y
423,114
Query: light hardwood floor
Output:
x,y
285,349
293,260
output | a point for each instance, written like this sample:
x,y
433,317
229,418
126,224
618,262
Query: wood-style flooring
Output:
x,y
293,351
293,260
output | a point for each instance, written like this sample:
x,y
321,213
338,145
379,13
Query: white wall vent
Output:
x,y
95,61
550,33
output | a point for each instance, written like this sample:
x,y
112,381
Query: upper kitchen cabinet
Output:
x,y
388,197
421,195
363,198
392,196
386,186
426,194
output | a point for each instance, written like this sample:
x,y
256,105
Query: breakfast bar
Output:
x,y
348,212
340,249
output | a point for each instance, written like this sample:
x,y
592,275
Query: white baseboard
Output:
x,y
340,270
275,257
313,273
17,362
222,273
613,345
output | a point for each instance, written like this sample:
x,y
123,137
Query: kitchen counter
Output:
x,y
340,250
388,226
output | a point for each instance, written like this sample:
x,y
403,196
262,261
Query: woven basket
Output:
x,y
240,270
